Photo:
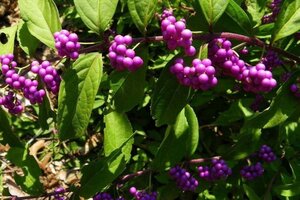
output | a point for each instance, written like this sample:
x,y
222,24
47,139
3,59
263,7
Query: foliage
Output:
x,y
117,128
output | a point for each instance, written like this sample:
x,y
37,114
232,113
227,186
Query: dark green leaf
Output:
x,y
101,173
256,10
213,9
9,137
9,44
26,41
247,143
288,20
237,14
142,12
126,92
117,130
45,113
178,141
77,93
42,19
96,14
250,193
237,111
169,97
30,182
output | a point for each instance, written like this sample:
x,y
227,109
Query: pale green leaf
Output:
x,y
142,12
213,9
117,130
9,43
288,20
96,14
42,19
77,94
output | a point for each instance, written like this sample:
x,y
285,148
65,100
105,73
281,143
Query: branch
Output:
x,y
203,36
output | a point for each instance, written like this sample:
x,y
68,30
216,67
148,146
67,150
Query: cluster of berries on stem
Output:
x,y
201,75
250,172
67,44
183,179
16,82
271,60
142,195
105,196
218,170
275,9
295,88
121,57
176,34
48,74
222,56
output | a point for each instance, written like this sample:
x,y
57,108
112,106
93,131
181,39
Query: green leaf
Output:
x,y
45,113
126,92
8,45
30,182
8,135
256,10
237,14
169,97
101,173
117,130
288,20
192,138
213,9
288,190
26,41
183,135
246,144
77,94
142,12
282,106
42,19
236,111
96,14
250,193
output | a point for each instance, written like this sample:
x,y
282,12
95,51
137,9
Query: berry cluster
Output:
x,y
271,60
217,170
103,196
58,193
275,9
200,76
266,154
142,195
67,44
176,34
222,56
257,79
295,89
27,86
48,75
252,171
122,58
10,102
183,179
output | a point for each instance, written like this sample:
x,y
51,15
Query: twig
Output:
x,y
138,173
